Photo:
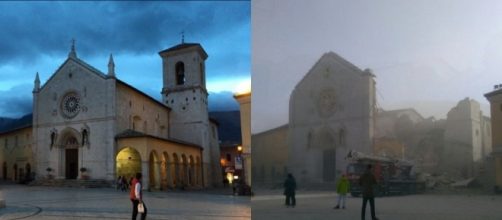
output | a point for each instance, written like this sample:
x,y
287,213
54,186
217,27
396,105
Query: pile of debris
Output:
x,y
445,181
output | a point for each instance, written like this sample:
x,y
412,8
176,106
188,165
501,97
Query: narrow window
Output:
x,y
180,73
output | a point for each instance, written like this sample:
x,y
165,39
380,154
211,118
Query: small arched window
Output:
x,y
180,73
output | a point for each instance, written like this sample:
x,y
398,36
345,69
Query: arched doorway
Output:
x,y
154,175
71,157
128,163
325,142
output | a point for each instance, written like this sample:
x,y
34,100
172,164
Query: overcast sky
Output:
x,y
36,36
425,54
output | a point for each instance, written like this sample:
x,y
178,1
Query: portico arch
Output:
x,y
128,162
154,177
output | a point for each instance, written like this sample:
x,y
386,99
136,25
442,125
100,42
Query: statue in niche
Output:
x,y
85,137
53,136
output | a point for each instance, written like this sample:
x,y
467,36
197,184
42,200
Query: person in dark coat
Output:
x,y
289,190
367,182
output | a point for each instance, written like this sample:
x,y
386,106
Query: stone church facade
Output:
x,y
330,113
88,124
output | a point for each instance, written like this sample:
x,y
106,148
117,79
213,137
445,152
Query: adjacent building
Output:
x,y
495,99
466,139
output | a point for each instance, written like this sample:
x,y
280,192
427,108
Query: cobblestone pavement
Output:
x,y
29,202
313,206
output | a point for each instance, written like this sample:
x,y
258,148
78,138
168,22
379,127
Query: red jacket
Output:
x,y
132,194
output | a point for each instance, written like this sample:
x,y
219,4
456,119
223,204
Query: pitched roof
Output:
x,y
185,46
118,81
128,133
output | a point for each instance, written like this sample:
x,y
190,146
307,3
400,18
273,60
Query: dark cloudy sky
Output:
x,y
426,55
36,37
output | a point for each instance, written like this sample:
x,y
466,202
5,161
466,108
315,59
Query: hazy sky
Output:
x,y
425,54
36,36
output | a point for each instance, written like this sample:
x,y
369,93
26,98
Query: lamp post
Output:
x,y
241,163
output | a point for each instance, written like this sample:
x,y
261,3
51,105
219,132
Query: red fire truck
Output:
x,y
393,176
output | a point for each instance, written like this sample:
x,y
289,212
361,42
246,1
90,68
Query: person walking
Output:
x,y
136,196
289,190
342,188
367,182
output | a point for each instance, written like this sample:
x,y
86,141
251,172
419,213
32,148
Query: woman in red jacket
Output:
x,y
136,196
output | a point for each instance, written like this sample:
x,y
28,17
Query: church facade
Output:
x,y
330,113
91,125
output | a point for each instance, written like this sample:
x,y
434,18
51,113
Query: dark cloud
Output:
x,y
16,102
222,101
132,27
36,37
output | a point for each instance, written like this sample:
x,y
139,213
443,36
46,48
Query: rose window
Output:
x,y
70,105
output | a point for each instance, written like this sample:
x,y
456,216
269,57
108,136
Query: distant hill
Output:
x,y
8,124
229,128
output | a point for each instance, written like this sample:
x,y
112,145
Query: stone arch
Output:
x,y
324,138
180,73
67,133
128,163
176,170
154,170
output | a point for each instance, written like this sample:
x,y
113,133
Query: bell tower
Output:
x,y
184,91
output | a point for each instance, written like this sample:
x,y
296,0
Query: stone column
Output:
x,y
145,168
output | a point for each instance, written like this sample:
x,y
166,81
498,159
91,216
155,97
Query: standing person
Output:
x,y
136,195
289,190
123,184
342,188
119,181
367,182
